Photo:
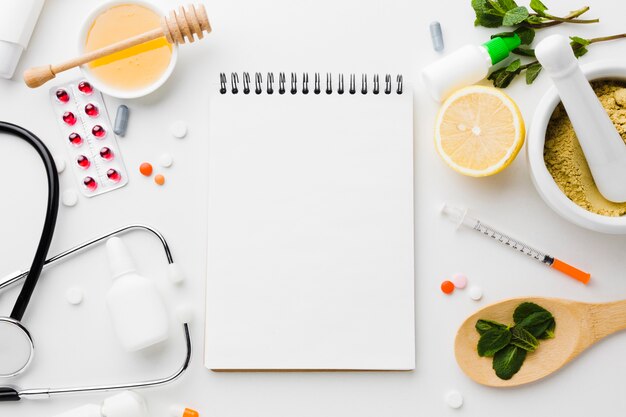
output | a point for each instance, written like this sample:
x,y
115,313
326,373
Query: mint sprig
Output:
x,y
509,345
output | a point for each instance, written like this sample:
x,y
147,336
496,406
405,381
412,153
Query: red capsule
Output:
x,y
69,118
114,175
98,131
91,110
106,153
75,139
83,161
90,183
62,95
85,87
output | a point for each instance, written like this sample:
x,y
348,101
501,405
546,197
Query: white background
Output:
x,y
76,344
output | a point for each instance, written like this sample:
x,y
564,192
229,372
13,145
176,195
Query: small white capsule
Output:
x,y
475,293
436,36
70,198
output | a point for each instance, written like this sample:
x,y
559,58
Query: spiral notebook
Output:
x,y
310,230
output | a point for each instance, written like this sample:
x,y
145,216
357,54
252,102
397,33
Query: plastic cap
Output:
x,y
500,48
125,404
454,214
119,257
10,54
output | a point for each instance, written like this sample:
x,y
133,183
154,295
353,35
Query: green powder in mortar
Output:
x,y
565,159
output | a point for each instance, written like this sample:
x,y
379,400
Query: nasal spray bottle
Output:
x,y
466,66
137,310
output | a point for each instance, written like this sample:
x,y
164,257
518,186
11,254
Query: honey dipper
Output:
x,y
179,27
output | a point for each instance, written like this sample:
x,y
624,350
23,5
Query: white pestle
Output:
x,y
602,145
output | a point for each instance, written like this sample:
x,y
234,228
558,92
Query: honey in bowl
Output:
x,y
133,68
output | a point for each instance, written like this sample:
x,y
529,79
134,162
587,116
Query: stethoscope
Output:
x,y
16,343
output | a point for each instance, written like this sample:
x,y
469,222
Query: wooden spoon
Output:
x,y
175,28
578,326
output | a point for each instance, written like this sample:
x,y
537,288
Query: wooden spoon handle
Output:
x,y
37,76
608,318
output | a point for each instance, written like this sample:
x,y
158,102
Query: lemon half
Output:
x,y
479,131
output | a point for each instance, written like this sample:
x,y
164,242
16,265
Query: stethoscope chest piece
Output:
x,y
16,347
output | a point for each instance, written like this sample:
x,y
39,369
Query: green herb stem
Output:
x,y
607,38
570,18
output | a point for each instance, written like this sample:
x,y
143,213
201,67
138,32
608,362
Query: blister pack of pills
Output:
x,y
95,158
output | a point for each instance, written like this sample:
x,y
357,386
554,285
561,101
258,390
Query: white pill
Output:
x,y
74,296
166,160
459,280
475,293
60,163
70,198
179,129
454,399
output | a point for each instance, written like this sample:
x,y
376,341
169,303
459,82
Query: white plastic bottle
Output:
x,y
466,66
137,310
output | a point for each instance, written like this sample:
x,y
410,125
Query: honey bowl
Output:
x,y
133,72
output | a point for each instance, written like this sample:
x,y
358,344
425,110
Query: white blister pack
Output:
x,y
85,126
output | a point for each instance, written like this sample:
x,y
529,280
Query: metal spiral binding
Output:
x,y
268,87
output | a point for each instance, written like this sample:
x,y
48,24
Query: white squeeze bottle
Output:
x,y
466,66
137,310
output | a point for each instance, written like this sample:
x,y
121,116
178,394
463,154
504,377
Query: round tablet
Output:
x,y
475,293
459,280
447,287
454,399
179,129
74,296
70,198
166,160
60,164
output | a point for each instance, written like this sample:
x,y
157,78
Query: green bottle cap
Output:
x,y
500,48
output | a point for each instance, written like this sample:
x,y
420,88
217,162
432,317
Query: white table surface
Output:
x,y
76,344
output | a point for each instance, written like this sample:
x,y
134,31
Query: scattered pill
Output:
x,y
60,164
459,280
166,160
454,399
447,287
159,179
69,198
145,169
74,296
121,120
436,36
180,411
475,293
179,129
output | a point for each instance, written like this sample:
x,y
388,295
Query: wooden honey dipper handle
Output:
x,y
177,28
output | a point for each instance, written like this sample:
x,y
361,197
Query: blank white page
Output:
x,y
310,232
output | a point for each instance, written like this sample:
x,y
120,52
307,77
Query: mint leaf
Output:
x,y
578,52
538,7
507,4
526,35
531,74
524,51
526,309
493,341
537,323
522,338
515,16
495,5
483,326
514,66
580,41
503,35
508,361
502,78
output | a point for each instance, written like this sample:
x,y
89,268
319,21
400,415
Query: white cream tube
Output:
x,y
17,21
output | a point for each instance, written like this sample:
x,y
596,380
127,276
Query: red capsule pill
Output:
x,y
62,95
75,139
106,153
98,131
69,118
90,183
85,87
83,161
91,110
114,175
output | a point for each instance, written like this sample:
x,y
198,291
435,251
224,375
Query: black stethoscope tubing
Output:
x,y
52,209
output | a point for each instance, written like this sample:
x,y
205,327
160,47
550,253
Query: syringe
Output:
x,y
460,217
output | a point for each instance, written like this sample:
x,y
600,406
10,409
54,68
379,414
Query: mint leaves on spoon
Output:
x,y
509,345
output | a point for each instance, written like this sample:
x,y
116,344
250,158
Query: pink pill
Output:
x,y
459,280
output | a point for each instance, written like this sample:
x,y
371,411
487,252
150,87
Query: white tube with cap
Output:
x,y
17,22
602,144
